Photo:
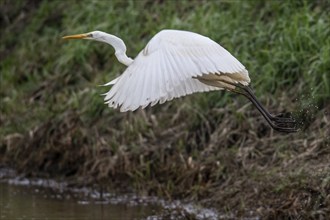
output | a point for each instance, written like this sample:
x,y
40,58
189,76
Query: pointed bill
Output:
x,y
76,36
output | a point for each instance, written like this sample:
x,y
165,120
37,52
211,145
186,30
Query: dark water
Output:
x,y
33,202
22,198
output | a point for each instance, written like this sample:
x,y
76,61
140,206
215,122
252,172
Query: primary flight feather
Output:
x,y
176,63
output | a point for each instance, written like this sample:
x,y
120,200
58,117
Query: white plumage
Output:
x,y
177,63
165,69
173,64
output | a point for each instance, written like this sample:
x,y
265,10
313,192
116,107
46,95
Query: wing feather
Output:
x,y
124,93
166,84
139,83
145,86
155,81
168,67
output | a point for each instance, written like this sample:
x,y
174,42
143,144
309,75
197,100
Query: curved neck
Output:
x,y
123,58
119,46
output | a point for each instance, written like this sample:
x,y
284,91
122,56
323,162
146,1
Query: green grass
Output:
x,y
53,120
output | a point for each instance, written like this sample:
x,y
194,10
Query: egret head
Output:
x,y
94,35
117,43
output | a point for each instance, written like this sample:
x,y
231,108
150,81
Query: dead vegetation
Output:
x,y
229,165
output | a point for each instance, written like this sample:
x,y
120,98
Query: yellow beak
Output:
x,y
76,36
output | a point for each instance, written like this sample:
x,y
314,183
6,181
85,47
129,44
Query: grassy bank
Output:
x,y
213,148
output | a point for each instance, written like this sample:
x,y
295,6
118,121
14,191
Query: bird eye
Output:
x,y
89,35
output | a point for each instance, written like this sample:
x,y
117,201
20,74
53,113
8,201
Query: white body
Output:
x,y
167,68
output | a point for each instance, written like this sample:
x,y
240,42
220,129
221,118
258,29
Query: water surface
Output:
x,y
22,198
33,202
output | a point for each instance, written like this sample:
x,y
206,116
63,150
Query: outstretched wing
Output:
x,y
167,68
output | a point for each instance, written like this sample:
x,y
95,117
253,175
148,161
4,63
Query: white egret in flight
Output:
x,y
177,63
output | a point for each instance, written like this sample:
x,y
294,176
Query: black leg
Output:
x,y
277,123
270,116
273,118
276,126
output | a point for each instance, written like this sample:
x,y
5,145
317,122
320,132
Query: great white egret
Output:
x,y
176,63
